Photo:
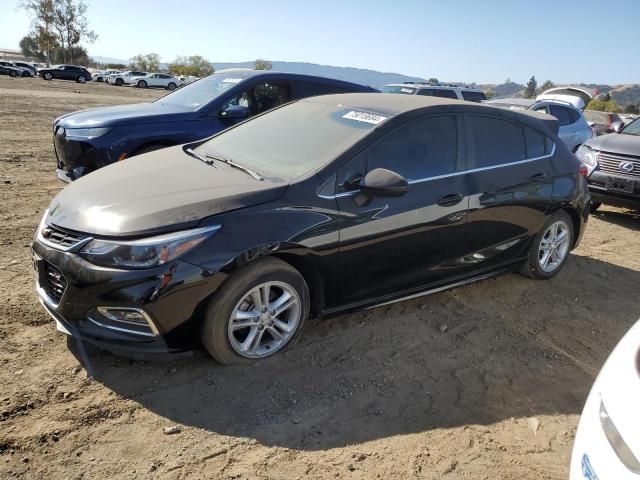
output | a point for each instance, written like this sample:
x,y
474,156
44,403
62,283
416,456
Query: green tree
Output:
x,y
546,86
631,108
148,63
194,65
433,81
30,49
42,13
72,26
530,89
263,65
489,94
603,105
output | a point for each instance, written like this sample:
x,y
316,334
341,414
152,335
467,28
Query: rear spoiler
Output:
x,y
550,122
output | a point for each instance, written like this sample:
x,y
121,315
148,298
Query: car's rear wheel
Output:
x,y
26,74
13,74
550,248
119,82
142,84
171,86
259,311
82,79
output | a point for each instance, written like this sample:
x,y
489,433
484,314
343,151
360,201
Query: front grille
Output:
x,y
57,237
52,281
610,163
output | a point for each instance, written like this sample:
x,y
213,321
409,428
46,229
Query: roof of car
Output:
x,y
432,85
391,104
248,72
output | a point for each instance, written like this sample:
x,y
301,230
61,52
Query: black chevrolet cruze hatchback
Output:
x,y
323,205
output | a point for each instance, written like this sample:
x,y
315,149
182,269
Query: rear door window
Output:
x,y
438,92
496,141
473,96
561,113
536,143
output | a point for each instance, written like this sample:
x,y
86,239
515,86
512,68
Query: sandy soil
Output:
x,y
450,386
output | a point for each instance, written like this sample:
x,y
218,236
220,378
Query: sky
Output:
x,y
483,41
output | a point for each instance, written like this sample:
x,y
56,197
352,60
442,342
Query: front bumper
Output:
x,y
169,296
601,191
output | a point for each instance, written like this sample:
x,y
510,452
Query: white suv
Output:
x,y
458,92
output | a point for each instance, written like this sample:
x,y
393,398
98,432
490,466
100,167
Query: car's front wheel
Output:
x,y
171,86
47,76
142,84
259,311
82,79
550,248
119,82
13,74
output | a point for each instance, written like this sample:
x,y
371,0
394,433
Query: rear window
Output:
x,y
438,92
497,141
404,89
473,96
597,117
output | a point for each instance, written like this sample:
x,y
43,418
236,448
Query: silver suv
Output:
x,y
457,92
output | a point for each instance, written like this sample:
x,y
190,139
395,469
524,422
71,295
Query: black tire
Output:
x,y
532,267
119,82
47,76
593,206
217,315
13,74
81,79
142,84
171,86
99,80
26,74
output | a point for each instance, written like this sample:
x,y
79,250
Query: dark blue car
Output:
x,y
90,139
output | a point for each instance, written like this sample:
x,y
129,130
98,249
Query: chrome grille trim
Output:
x,y
610,163
60,239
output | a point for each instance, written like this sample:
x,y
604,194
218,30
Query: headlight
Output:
x,y
588,156
146,252
87,132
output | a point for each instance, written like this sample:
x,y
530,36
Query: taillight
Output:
x,y
583,171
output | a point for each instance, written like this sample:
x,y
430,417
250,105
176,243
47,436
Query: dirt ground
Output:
x,y
481,382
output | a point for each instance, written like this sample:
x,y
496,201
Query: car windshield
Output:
x,y
293,140
633,128
201,92
398,89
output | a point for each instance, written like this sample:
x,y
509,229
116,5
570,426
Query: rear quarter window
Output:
x,y
563,114
497,141
474,96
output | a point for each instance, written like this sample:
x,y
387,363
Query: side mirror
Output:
x,y
235,111
384,183
617,127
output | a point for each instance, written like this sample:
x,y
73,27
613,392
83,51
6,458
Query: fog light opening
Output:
x,y
124,319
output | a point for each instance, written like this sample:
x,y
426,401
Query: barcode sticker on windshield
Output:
x,y
232,80
366,117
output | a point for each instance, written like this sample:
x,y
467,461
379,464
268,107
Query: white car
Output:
x,y
124,78
102,76
607,444
163,80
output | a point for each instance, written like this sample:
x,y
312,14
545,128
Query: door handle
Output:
x,y
538,176
450,200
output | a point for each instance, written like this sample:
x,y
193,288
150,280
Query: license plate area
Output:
x,y
617,184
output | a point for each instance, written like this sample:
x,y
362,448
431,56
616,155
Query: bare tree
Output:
x,y
70,21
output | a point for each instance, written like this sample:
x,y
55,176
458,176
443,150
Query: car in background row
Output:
x,y
101,76
457,92
573,127
31,66
10,71
87,140
607,444
162,80
66,72
602,122
124,78
24,72
614,167
238,239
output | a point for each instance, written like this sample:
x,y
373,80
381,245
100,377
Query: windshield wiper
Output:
x,y
233,164
191,152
